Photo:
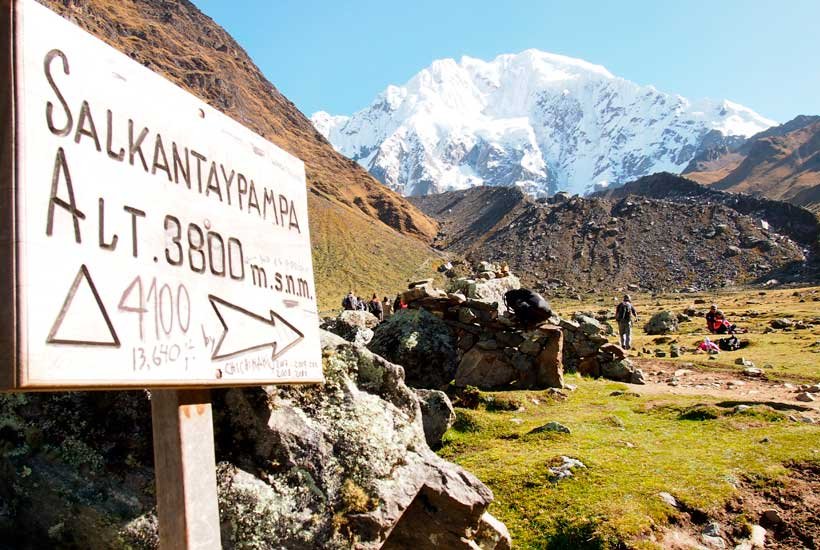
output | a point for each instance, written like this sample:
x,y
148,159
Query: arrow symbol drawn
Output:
x,y
245,331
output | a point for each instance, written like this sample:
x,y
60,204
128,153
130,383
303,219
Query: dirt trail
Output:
x,y
665,378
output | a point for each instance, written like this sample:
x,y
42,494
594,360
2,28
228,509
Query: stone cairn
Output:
x,y
494,352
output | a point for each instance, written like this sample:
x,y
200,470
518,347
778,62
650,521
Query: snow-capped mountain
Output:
x,y
542,121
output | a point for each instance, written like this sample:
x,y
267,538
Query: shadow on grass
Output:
x,y
581,536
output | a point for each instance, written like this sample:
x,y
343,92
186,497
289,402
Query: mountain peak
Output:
x,y
537,120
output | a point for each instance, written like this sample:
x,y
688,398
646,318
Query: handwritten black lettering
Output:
x,y
116,155
135,146
66,129
135,213
91,131
61,168
178,167
160,159
110,245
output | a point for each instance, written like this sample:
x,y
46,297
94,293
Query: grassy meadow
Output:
x,y
636,445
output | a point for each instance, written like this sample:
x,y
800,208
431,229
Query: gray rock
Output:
x,y
712,529
713,542
437,415
492,534
662,322
752,371
488,291
590,326
551,427
421,343
354,326
328,466
806,397
530,347
669,499
622,371
565,469
781,323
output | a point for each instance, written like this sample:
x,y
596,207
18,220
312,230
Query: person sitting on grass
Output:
x,y
711,321
722,325
707,346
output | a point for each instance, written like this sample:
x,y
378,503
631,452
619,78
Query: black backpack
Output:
x,y
623,312
527,305
729,344
347,302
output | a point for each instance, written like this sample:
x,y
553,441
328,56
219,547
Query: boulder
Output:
x,y
488,291
437,415
613,350
549,364
421,343
781,323
591,326
622,371
485,369
334,466
662,322
589,366
352,325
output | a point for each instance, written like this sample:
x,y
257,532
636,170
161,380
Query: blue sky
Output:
x,y
337,55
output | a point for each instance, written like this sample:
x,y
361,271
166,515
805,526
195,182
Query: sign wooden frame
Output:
x,y
8,268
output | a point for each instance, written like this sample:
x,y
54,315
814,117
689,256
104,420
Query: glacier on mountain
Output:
x,y
541,121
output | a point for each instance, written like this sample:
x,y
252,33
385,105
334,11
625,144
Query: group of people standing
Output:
x,y
382,309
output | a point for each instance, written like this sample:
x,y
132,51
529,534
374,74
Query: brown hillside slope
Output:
x,y
174,39
781,163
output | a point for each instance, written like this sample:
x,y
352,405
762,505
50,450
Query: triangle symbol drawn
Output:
x,y
83,320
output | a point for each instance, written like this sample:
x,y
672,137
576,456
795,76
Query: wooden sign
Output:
x,y
147,239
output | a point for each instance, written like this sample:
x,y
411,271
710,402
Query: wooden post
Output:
x,y
185,469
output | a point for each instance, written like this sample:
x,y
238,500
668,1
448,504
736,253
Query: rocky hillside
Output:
x,y
542,121
179,42
788,219
577,244
780,163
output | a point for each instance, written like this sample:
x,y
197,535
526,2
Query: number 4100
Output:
x,y
170,309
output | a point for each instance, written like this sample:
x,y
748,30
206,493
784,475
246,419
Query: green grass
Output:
x,y
634,448
791,355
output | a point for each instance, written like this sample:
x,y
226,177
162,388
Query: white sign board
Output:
x,y
155,241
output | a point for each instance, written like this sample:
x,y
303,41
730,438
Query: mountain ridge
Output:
x,y
659,233
188,48
782,162
542,121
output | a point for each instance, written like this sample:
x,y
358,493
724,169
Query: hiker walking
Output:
x,y
624,314
374,306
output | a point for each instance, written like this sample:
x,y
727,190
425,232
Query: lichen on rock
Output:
x,y
339,465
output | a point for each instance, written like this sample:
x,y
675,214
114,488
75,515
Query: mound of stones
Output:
x,y
465,335
335,466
